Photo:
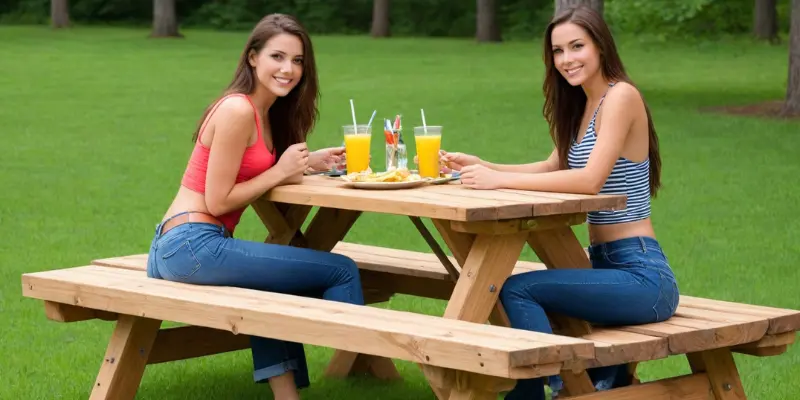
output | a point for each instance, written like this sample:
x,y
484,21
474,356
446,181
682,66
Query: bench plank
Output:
x,y
614,347
687,335
422,274
396,334
780,320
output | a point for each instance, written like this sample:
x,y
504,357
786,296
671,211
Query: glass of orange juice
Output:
x,y
356,146
428,140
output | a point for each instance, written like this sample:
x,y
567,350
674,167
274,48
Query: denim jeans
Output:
x,y
630,283
203,254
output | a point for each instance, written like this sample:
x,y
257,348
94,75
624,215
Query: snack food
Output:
x,y
392,175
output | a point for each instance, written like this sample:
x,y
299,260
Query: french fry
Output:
x,y
392,176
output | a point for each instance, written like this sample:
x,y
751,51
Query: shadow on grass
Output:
x,y
227,377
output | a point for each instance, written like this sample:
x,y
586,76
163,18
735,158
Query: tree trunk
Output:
x,y
165,21
380,18
487,29
765,20
597,5
792,105
59,13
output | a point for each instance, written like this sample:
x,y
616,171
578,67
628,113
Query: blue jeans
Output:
x,y
630,283
204,254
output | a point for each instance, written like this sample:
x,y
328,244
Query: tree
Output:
x,y
487,28
792,105
380,18
59,13
597,5
765,20
165,21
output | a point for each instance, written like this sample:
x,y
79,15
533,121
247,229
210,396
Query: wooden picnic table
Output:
x,y
485,231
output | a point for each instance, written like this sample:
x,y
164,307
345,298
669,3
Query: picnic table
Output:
x,y
485,232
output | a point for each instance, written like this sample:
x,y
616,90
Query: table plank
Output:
x,y
447,202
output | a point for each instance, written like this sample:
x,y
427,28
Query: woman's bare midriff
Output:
x,y
187,200
609,233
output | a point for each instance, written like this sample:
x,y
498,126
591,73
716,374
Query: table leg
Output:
x,y
487,261
460,244
559,248
283,221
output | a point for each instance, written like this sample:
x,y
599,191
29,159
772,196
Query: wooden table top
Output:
x,y
452,202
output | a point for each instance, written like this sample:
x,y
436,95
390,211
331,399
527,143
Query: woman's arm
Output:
x,y
617,122
548,165
457,161
232,130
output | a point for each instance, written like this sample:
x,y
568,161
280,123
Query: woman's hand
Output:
x,y
477,176
453,161
457,161
293,162
325,159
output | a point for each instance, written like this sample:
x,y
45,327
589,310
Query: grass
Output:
x,y
96,127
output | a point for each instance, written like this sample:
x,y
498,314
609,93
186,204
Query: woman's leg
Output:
x,y
199,254
602,296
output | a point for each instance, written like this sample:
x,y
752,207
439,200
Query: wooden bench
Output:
x,y
706,331
477,361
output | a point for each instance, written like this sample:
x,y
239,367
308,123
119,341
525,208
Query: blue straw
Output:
x,y
370,118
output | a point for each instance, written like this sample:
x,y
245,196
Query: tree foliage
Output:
x,y
456,18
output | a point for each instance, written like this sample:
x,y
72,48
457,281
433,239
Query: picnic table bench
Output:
x,y
485,232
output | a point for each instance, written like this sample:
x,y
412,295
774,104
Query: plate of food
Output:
x,y
388,180
445,178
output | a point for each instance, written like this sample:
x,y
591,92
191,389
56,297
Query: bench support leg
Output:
x,y
473,394
462,385
345,363
721,369
126,358
634,376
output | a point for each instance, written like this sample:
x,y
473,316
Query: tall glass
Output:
x,y
356,146
429,142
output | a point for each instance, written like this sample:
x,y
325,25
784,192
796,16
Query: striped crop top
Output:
x,y
626,178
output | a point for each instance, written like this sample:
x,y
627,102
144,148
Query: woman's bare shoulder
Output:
x,y
235,107
234,116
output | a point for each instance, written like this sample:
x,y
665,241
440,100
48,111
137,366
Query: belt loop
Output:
x,y
160,227
644,245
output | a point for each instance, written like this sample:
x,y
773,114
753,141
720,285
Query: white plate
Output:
x,y
443,180
386,185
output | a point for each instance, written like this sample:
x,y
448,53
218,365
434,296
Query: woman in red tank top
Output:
x,y
248,142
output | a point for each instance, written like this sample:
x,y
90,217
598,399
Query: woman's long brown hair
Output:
x,y
564,104
293,116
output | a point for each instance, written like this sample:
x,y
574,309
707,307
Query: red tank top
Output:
x,y
256,159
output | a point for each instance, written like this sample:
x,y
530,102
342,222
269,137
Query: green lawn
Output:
x,y
96,128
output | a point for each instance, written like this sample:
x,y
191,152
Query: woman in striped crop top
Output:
x,y
605,142
249,141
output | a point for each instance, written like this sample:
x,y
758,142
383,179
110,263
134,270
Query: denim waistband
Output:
x,y
188,227
641,243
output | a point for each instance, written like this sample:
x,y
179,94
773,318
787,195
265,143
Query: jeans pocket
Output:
x,y
181,261
214,246
668,299
626,258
